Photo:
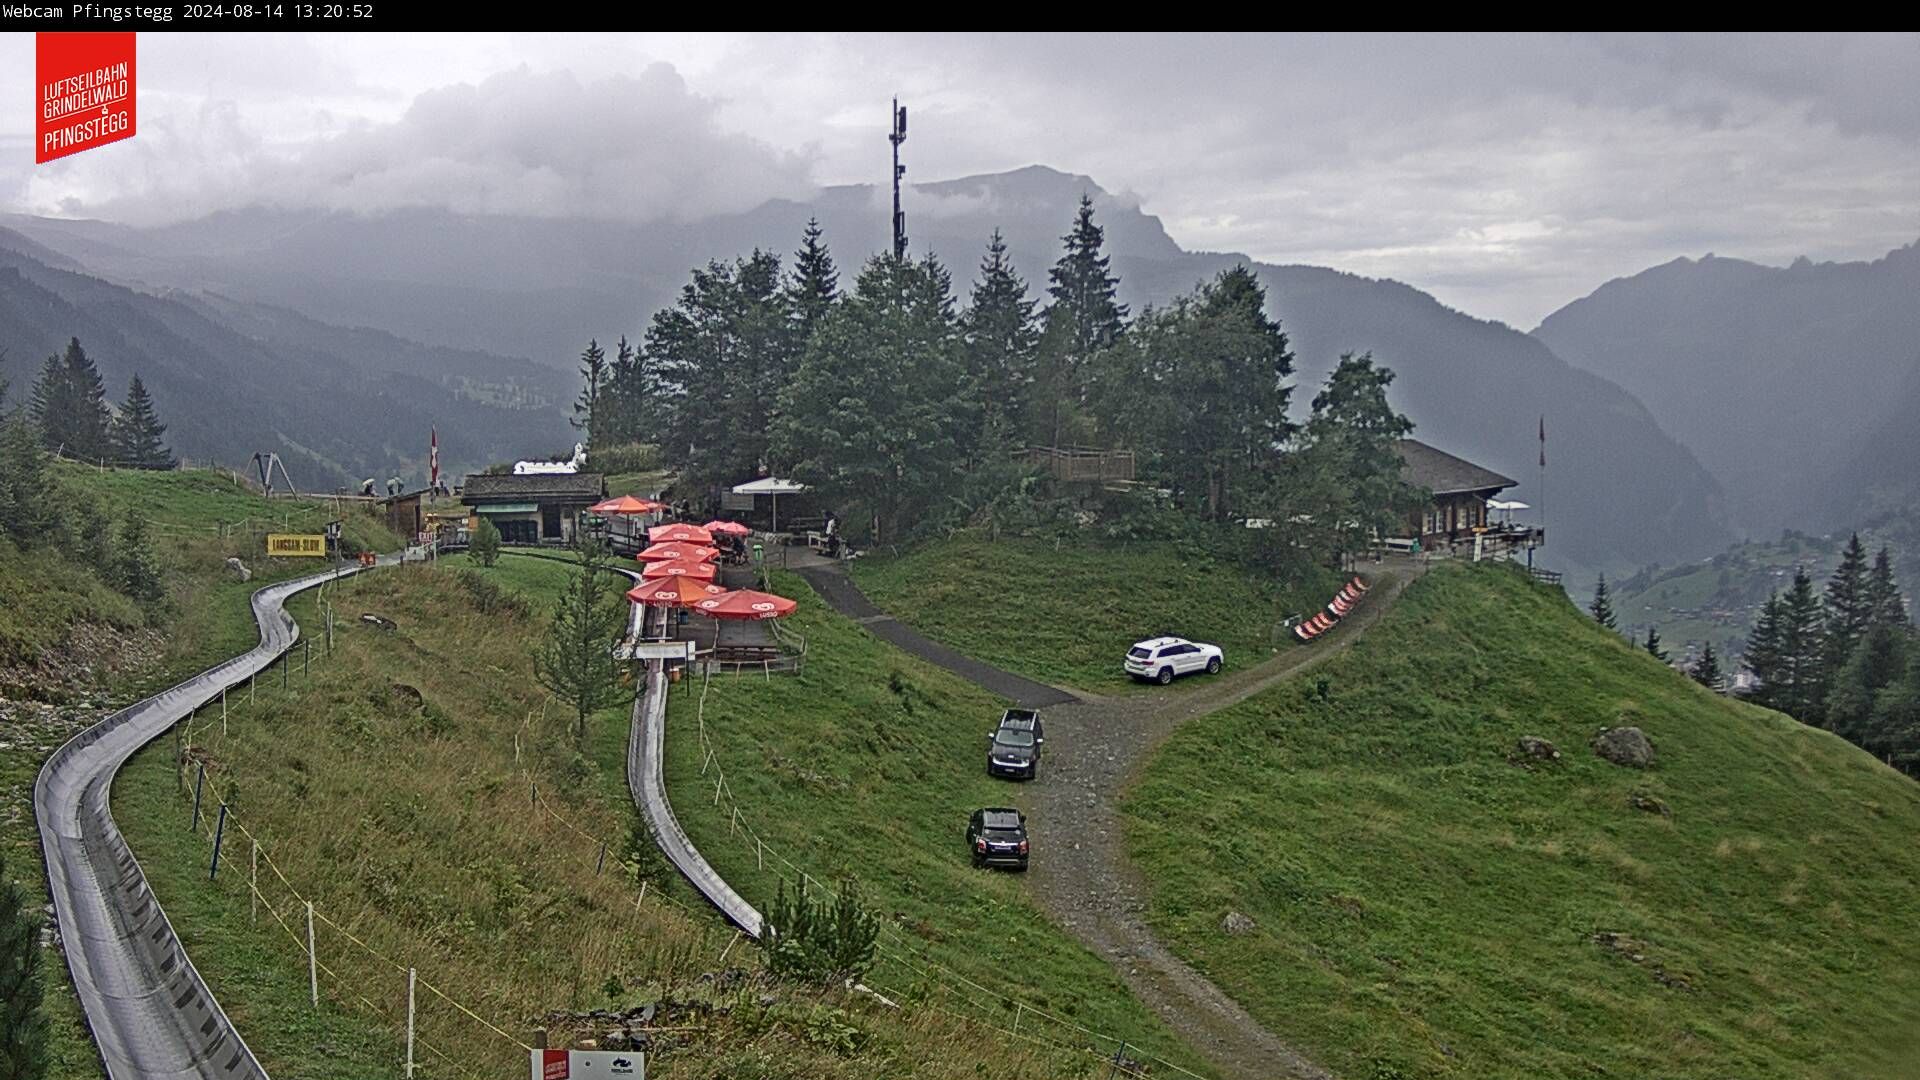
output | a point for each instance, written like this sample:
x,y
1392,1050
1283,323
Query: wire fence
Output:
x,y
929,984
766,858
291,905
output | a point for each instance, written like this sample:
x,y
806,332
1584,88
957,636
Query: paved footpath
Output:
x,y
1096,749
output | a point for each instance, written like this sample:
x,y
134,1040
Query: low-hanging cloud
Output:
x,y
639,147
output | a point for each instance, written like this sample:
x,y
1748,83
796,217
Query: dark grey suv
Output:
x,y
997,836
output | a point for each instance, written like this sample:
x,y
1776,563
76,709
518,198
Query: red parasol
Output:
x,y
626,504
732,528
699,571
681,534
746,604
673,592
667,551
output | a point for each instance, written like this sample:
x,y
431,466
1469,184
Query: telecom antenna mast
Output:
x,y
896,137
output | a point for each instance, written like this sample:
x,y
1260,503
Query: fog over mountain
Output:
x,y
1796,386
1619,492
233,377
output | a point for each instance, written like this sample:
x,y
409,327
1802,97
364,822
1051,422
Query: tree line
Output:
x,y
69,406
67,413
910,406
1845,658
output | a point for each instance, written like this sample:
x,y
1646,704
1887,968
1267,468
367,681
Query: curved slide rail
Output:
x,y
646,749
152,1015
646,779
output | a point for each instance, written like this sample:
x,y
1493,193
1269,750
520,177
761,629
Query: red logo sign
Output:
x,y
554,1065
84,92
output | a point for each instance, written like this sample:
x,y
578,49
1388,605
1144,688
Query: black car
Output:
x,y
997,836
1025,720
1013,751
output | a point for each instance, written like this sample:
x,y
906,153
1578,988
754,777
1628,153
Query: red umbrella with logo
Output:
x,y
746,604
679,534
626,504
687,568
731,528
673,592
670,551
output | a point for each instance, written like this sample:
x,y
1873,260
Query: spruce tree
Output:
x,y
814,284
593,369
26,475
1884,602
23,1028
137,431
136,569
1762,654
1802,650
1002,331
1083,319
70,405
1849,607
1706,669
576,660
1602,607
1653,644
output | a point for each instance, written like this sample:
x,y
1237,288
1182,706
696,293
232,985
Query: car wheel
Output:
x,y
1213,666
1165,676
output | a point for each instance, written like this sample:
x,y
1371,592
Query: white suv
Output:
x,y
1160,659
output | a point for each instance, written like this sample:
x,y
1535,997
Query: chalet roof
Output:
x,y
1443,473
563,486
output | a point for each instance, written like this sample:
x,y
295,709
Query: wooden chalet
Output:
x,y
1456,519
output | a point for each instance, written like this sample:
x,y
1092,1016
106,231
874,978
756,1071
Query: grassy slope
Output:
x,y
418,834
868,763
1067,615
1427,909
206,618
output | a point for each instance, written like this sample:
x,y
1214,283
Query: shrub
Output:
x,y
819,941
485,546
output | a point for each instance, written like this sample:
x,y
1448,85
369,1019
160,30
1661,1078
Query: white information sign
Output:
x,y
589,1064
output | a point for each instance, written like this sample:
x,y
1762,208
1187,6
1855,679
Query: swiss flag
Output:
x,y
83,92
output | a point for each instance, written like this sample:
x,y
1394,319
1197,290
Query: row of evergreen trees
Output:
x,y
896,397
69,404
1845,658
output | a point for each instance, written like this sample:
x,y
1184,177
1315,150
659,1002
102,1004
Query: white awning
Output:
x,y
770,485
1496,504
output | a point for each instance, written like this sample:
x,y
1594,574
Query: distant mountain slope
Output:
x,y
231,378
1788,383
1621,493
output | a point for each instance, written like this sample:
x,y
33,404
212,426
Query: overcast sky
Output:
x,y
1506,175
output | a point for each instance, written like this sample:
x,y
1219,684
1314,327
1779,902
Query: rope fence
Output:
x,y
949,993
740,827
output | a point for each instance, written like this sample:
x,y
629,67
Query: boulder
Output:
x,y
1628,746
1533,748
1236,924
239,570
1640,800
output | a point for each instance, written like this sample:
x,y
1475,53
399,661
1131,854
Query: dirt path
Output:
x,y
1096,749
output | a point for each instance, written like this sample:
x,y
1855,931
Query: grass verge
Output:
x,y
866,765
1427,908
1065,615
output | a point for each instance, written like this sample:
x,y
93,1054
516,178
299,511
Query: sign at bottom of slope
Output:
x,y
588,1064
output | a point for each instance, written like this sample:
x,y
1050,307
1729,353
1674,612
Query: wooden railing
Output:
x,y
1079,464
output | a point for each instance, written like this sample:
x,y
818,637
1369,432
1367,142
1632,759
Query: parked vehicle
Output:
x,y
1160,659
1013,749
1024,720
997,836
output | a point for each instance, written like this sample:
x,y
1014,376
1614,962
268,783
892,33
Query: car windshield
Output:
x,y
1137,653
1002,822
1013,737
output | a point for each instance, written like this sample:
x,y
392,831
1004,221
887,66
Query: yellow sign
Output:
x,y
297,544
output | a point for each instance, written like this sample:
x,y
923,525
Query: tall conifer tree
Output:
x,y
138,433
